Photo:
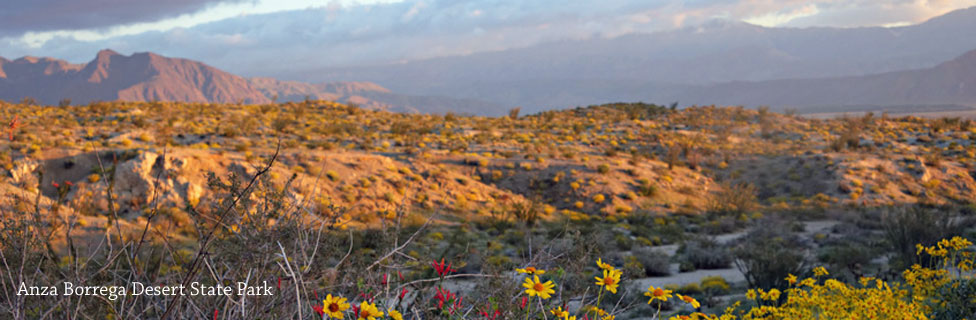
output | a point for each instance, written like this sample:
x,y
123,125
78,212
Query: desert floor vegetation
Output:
x,y
626,210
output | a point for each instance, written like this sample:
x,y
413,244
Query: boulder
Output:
x,y
23,171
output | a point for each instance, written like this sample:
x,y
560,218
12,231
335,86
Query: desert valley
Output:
x,y
156,187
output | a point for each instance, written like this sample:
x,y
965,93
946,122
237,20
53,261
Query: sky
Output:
x,y
258,37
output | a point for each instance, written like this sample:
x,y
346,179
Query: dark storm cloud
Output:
x,y
20,16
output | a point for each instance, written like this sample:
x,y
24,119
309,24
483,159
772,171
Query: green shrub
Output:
x,y
647,189
714,285
623,242
956,300
632,265
690,289
906,227
705,253
768,254
733,200
656,263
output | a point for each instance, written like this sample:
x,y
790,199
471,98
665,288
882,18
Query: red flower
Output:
x,y
384,279
441,268
68,183
457,305
366,296
55,184
403,293
494,312
318,309
443,296
525,300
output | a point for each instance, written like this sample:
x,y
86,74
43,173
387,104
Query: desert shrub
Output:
x,y
704,253
956,300
527,211
656,263
632,265
714,285
907,226
768,254
623,242
690,289
733,199
723,224
646,189
848,255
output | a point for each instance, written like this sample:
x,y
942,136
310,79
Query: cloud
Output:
x,y
19,17
333,33
861,13
783,17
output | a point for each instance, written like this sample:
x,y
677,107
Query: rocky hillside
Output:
x,y
151,77
606,160
112,76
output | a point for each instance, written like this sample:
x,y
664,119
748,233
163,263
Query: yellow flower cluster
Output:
x,y
832,299
335,307
953,253
760,294
817,297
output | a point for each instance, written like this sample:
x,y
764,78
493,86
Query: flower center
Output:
x,y
658,292
608,281
538,287
333,307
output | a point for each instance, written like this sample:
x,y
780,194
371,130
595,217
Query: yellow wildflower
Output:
x,y
604,266
689,300
534,287
610,280
368,311
751,294
531,270
599,312
333,306
771,295
559,312
820,271
657,294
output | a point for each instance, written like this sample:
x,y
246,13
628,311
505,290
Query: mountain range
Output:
x,y
151,77
949,83
929,65
670,65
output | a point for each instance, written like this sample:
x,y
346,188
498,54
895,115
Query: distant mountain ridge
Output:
x,y
112,76
949,83
543,82
150,77
654,66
